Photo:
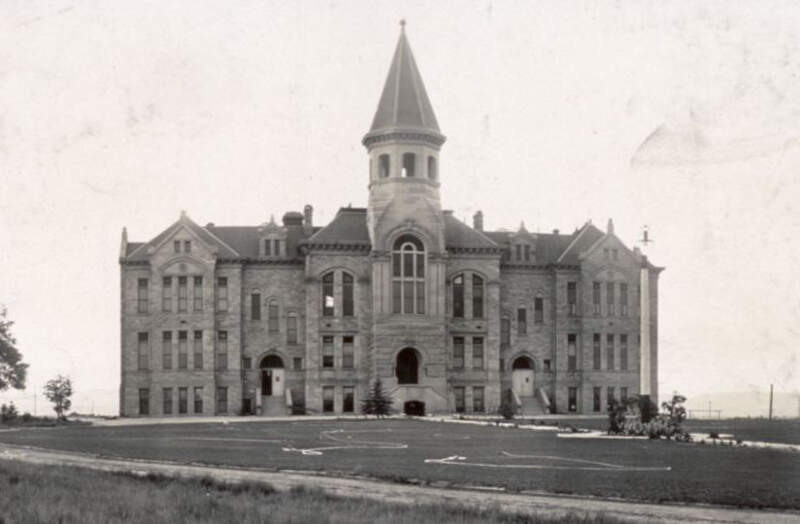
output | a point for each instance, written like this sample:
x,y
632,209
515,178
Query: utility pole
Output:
x,y
770,401
644,332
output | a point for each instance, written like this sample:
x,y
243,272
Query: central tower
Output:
x,y
407,233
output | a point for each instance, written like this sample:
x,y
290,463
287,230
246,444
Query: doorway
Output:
x,y
415,408
272,376
522,376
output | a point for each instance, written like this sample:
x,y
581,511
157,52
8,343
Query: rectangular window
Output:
x,y
505,333
187,246
348,399
614,254
183,401
327,399
176,246
182,294
166,294
267,247
547,365
272,311
596,352
538,310
477,297
222,294
623,394
198,350
477,352
383,166
522,321
255,306
609,352
247,363
460,401
477,400
327,351
408,297
409,162
143,352
166,350
623,352
396,297
572,399
458,352
276,247
141,295
606,252
197,294
198,399
348,353
166,393
222,350
572,352
610,298
348,299
222,400
144,401
596,297
291,329
420,298
527,249
609,395
183,349
623,300
596,394
572,298
328,299
519,251
297,363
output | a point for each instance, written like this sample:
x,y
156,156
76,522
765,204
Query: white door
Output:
x,y
277,382
522,382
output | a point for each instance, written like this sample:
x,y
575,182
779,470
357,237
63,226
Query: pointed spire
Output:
x,y
404,105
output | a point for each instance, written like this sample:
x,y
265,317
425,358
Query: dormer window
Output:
x,y
272,246
409,161
176,245
187,246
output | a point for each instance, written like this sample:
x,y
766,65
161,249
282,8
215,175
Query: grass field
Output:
x,y
455,454
31,493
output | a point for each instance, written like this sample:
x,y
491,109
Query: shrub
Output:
x,y
377,401
8,413
26,417
506,410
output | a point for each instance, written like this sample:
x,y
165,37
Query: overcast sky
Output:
x,y
685,117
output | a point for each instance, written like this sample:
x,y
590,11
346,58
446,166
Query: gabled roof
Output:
x,y
140,253
348,227
404,104
582,240
459,235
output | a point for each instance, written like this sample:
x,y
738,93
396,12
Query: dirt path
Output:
x,y
387,492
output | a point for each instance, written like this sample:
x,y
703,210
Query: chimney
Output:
x,y
610,227
292,218
123,247
555,231
477,220
308,215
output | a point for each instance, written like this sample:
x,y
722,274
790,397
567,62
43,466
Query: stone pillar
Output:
x,y
644,327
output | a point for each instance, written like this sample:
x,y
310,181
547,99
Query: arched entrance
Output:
x,y
272,376
414,407
522,376
407,366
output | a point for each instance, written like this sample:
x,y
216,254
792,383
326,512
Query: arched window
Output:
x,y
291,328
328,299
477,296
348,306
408,276
407,367
432,167
384,166
409,162
458,296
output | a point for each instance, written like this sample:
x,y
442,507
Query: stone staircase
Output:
x,y
531,407
273,406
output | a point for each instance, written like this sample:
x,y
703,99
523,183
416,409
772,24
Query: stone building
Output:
x,y
291,317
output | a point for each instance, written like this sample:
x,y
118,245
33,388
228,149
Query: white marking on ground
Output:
x,y
458,460
348,441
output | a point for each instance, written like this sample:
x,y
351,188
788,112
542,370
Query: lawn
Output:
x,y
455,454
30,493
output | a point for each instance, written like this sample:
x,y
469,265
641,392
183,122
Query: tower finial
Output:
x,y
402,25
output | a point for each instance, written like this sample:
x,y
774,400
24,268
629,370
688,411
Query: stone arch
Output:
x,y
521,360
407,365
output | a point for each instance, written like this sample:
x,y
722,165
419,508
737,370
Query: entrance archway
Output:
x,y
415,408
272,376
522,376
407,366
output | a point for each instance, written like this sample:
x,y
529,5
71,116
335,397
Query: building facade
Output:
x,y
291,317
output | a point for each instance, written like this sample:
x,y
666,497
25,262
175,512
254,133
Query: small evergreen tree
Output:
x,y
377,401
58,391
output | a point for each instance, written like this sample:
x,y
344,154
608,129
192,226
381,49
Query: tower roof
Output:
x,y
404,105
